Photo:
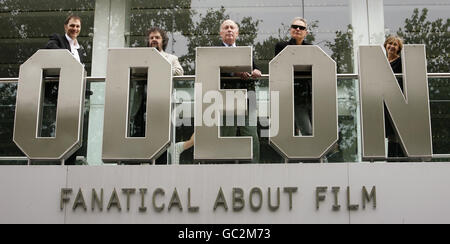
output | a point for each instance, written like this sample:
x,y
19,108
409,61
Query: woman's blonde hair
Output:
x,y
393,38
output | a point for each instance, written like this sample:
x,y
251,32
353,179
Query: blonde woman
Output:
x,y
394,46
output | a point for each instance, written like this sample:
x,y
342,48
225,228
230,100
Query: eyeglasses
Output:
x,y
295,27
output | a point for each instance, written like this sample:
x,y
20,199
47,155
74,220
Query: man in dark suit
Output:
x,y
72,27
302,87
69,41
229,31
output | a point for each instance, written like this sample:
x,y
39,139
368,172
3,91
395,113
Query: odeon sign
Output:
x,y
378,88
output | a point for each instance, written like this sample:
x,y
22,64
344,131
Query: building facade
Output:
x,y
338,27
338,188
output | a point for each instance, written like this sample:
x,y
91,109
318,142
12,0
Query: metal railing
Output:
x,y
192,77
263,77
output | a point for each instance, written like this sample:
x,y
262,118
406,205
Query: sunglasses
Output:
x,y
295,27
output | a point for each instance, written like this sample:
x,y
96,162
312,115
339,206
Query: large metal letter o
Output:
x,y
69,118
117,146
324,102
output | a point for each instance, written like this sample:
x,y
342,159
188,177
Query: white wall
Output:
x,y
405,192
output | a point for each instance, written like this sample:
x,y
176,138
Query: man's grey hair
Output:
x,y
230,21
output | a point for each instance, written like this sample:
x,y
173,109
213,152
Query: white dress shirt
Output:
x,y
74,48
226,45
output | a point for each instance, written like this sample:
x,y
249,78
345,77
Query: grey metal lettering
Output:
x,y
238,199
191,209
97,200
351,207
143,208
117,146
319,197
128,192
277,206
156,192
220,201
114,201
410,112
69,125
64,199
368,197
336,206
79,201
175,201
258,192
324,102
208,143
290,191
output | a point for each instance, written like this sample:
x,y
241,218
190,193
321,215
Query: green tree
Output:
x,y
170,15
26,25
434,34
265,51
342,49
8,94
436,37
342,53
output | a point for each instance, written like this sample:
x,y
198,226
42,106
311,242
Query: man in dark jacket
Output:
x,y
69,41
229,32
72,27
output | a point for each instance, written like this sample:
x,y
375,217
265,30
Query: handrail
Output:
x,y
434,156
192,77
441,156
13,159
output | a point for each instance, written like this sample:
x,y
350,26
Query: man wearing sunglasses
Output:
x,y
298,31
302,86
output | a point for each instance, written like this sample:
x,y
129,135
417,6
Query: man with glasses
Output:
x,y
302,87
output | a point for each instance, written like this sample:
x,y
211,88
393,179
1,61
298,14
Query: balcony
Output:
x,y
348,148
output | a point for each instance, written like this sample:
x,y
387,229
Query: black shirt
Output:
x,y
281,45
302,87
396,66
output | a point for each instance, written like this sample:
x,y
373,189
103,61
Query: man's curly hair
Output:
x,y
163,34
